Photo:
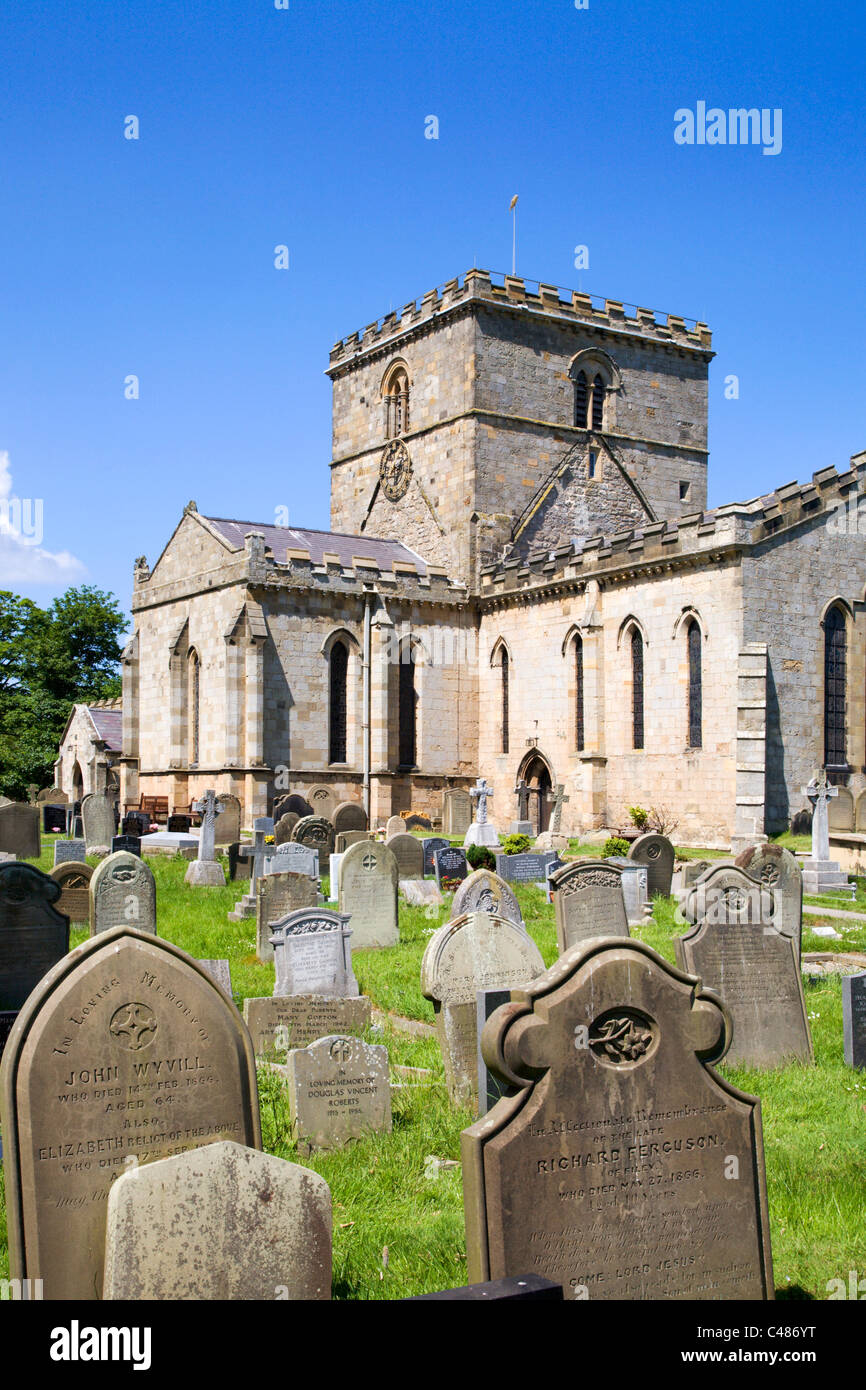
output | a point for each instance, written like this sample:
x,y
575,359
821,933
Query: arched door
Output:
x,y
537,776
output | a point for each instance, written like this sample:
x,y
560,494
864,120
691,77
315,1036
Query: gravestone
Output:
x,y
524,868
239,866
523,825
220,972
420,892
854,1018
137,823
313,954
821,874
338,1090
693,870
324,801
587,902
69,852
19,830
657,853
125,1051
74,880
282,1022
430,846
228,821
51,796
204,871
344,838
334,877
409,855
550,870
635,880
34,934
860,814
318,834
840,812
368,893
130,843
97,814
54,819
491,1087
350,815
481,832
284,827
396,826
450,867
779,871
276,896
456,811
222,1222
293,857
297,803
484,891
737,950
608,1165
475,952
122,893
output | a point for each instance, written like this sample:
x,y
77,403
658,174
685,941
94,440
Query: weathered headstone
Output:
x,y
284,827
409,855
421,892
344,838
396,826
524,868
69,852
51,796
450,867
125,1051
657,853
122,893
220,972
349,815
316,833
418,822
609,1166
34,933
19,830
97,812
239,866
475,952
295,802
635,886
854,1018
74,880
324,801
368,893
282,1022
779,871
130,843
228,822
222,1222
587,902
276,896
737,950
485,891
430,846
840,812
313,954
293,857
338,1090
456,811
693,870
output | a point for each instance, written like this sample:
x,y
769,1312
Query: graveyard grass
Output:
x,y
398,1218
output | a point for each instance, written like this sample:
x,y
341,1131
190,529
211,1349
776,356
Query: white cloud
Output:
x,y
22,559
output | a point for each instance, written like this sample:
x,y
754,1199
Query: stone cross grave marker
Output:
x,y
587,901
204,871
819,792
579,1173
736,948
854,1018
313,954
125,1052
475,952
522,792
338,1090
219,1222
481,832
368,893
122,893
557,800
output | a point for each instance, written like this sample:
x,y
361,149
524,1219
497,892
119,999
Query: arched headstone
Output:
x,y
657,853
350,815
122,893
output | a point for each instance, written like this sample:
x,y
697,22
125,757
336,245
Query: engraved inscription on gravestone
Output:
x,y
338,1089
854,1018
122,893
451,868
588,901
484,891
313,954
74,880
368,893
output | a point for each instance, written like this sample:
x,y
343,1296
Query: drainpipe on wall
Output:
x,y
365,667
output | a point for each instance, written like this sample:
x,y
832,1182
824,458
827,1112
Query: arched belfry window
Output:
x,y
581,400
693,639
637,688
597,379
835,682
193,702
408,708
338,670
597,403
578,694
395,394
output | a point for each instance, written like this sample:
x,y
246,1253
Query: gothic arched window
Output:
x,y
835,680
193,701
693,638
408,709
338,670
581,401
637,689
578,694
395,393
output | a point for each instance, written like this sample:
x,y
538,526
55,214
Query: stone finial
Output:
x,y
190,507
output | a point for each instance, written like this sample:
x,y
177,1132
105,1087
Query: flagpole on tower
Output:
x,y
514,235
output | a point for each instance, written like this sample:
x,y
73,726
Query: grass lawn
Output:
x,y
398,1227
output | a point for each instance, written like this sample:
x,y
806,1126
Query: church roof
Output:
x,y
109,726
345,548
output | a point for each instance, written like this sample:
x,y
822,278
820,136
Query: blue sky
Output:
x,y
306,127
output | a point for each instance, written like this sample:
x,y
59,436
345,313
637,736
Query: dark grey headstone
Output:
x,y
238,867
69,852
430,847
54,820
131,843
451,867
854,1018
19,830
491,1088
657,853
34,936
524,868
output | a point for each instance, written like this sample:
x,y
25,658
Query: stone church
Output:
x,y
523,581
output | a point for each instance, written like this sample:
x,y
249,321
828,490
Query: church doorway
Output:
x,y
77,783
535,772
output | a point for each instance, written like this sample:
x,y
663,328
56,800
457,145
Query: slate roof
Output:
x,y
109,726
318,543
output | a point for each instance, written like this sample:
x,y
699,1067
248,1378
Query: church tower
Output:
x,y
500,419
